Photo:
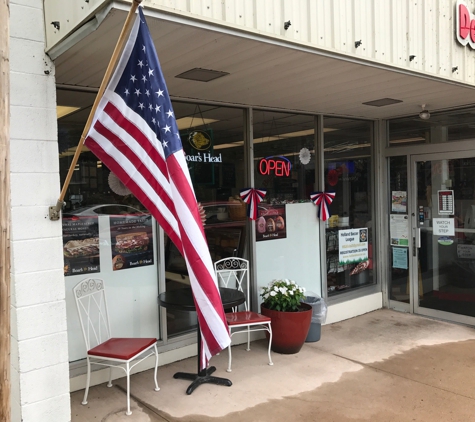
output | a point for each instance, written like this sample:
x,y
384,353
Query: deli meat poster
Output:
x,y
81,246
271,223
131,241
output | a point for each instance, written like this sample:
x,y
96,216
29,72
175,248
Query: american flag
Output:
x,y
135,134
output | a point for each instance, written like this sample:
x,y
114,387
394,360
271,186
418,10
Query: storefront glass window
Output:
x,y
287,230
213,140
349,234
109,234
284,156
449,126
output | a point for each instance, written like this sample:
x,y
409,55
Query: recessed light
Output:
x,y
202,75
382,102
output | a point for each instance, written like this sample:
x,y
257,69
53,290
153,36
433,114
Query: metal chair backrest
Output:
x,y
233,273
92,309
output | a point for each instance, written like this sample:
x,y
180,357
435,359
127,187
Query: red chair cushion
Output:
x,y
122,348
246,317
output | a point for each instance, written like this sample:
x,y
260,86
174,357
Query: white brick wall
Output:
x,y
39,353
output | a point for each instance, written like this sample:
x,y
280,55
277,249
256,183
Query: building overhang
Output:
x,y
261,71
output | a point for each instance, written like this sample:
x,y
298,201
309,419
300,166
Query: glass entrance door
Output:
x,y
442,270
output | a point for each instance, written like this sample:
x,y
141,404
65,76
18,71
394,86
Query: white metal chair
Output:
x,y
234,273
102,348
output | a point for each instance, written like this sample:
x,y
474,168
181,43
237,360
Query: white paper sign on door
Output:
x,y
443,226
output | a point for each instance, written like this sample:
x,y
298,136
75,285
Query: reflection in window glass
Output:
x,y
347,172
284,156
449,126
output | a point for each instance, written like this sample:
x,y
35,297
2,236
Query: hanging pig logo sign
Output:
x,y
199,140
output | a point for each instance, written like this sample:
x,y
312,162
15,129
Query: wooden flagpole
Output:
x,y
5,411
54,211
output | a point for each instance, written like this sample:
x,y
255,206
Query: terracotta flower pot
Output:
x,y
289,329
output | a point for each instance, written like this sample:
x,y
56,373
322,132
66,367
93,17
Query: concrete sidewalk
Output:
x,y
383,366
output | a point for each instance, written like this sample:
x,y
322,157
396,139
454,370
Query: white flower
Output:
x,y
291,292
292,282
276,288
273,293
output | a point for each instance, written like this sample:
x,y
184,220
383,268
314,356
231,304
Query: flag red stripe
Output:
x,y
184,189
144,145
196,261
138,135
135,189
142,169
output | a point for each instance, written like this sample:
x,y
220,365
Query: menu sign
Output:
x,y
81,245
271,222
131,241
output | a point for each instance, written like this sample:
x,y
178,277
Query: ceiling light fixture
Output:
x,y
382,102
201,75
424,114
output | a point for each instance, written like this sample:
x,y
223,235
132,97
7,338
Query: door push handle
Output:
x,y
418,238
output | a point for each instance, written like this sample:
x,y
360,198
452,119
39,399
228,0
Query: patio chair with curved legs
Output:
x,y
234,273
102,348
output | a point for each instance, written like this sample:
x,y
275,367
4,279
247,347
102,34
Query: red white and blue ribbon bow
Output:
x,y
323,201
252,197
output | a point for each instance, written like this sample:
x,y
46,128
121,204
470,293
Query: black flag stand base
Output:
x,y
202,377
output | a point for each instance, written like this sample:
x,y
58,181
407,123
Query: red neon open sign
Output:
x,y
280,166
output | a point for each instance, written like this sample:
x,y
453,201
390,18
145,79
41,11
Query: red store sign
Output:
x,y
465,25
279,166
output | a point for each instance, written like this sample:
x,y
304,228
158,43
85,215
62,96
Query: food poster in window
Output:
x,y
81,245
131,241
271,222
